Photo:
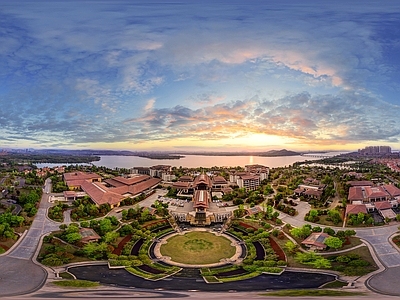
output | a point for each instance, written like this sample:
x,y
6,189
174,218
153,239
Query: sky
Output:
x,y
199,75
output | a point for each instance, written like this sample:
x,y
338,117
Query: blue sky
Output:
x,y
184,75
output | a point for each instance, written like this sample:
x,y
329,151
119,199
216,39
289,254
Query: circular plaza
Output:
x,y
198,248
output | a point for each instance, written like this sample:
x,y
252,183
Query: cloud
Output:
x,y
346,117
150,104
121,72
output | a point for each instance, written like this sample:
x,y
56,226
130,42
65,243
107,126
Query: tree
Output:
x,y
302,232
96,250
291,247
72,228
329,231
111,237
105,226
333,242
312,215
322,263
360,218
126,229
335,217
349,232
316,229
311,258
73,237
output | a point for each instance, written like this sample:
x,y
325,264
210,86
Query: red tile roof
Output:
x,y
381,205
101,194
186,178
68,194
392,190
219,180
311,192
355,194
75,179
131,180
375,192
137,188
80,176
354,209
250,177
181,184
202,179
88,235
316,239
360,183
201,199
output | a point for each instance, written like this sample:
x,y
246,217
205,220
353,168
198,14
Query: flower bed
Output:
x,y
277,249
121,245
247,226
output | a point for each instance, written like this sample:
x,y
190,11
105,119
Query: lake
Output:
x,y
194,161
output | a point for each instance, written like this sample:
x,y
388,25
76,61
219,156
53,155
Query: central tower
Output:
x,y
202,197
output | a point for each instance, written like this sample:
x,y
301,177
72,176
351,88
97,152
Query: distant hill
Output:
x,y
282,152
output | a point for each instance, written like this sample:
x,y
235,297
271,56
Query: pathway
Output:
x,y
19,273
67,216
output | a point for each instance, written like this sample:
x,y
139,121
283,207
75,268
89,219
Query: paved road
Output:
x,y
67,216
19,274
379,239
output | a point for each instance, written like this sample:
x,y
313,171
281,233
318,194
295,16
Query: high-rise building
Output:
x,y
375,150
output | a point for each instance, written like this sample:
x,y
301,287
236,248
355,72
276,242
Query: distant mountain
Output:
x,y
282,152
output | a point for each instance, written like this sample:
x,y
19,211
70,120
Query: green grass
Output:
x,y
240,277
76,283
211,279
197,248
2,250
323,221
66,275
312,293
214,271
354,241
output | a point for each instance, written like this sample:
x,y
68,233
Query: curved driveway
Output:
x,y
19,274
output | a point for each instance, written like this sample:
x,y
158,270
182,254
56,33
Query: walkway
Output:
x,y
19,274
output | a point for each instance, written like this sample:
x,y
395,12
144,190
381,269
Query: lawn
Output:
x,y
197,248
76,283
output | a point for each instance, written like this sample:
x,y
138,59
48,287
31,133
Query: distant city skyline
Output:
x,y
199,75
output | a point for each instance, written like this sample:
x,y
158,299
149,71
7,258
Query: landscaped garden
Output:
x,y
198,248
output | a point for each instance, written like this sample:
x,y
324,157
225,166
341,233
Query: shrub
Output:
x,y
343,259
359,263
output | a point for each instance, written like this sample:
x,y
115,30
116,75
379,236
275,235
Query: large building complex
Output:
x,y
369,198
111,191
251,178
375,150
